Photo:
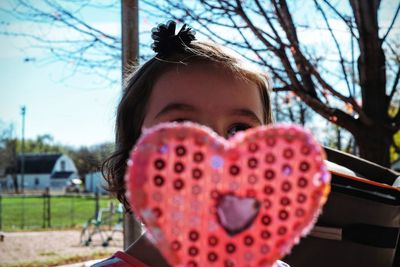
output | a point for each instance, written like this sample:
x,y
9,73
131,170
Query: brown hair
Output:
x,y
137,90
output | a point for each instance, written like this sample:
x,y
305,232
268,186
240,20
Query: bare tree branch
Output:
x,y
253,28
266,17
280,52
395,83
337,46
286,88
347,21
392,23
287,24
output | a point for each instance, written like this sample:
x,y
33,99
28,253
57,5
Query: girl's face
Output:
x,y
206,96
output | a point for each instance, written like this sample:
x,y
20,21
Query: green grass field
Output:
x,y
26,213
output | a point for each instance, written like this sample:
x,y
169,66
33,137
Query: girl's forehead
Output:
x,y
202,81
204,90
203,74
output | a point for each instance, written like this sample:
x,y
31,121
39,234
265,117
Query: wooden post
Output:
x,y
130,34
46,208
130,56
1,213
23,112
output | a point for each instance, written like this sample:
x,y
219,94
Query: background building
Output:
x,y
41,171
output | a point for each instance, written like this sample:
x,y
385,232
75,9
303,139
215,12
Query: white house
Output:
x,y
94,181
45,170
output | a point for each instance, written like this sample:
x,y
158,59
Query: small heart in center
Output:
x,y
236,214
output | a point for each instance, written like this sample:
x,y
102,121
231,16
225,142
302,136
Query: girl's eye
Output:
x,y
237,128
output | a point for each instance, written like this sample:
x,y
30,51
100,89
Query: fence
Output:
x,y
20,212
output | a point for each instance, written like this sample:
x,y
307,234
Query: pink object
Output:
x,y
208,201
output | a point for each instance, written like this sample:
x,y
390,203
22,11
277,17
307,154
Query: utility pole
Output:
x,y
130,56
23,111
130,34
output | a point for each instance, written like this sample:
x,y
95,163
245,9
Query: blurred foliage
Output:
x,y
395,148
89,159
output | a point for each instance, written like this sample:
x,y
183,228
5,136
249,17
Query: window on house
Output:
x,y
62,165
37,181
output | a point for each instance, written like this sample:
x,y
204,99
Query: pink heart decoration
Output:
x,y
208,201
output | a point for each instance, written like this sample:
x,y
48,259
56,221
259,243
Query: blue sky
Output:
x,y
73,116
77,111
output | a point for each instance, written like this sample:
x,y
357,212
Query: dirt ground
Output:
x,y
48,247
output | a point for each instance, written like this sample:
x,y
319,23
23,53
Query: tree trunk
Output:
x,y
374,144
374,140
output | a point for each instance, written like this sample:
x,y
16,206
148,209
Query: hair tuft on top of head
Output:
x,y
165,40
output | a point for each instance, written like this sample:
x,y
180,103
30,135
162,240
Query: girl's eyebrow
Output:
x,y
175,107
245,112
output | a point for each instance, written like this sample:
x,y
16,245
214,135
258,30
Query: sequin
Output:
x,y
198,157
234,186
212,241
286,170
269,158
288,153
157,197
158,180
304,166
193,251
248,240
180,151
325,177
176,245
193,235
302,182
217,162
177,200
212,256
234,170
177,215
248,256
286,186
264,249
230,248
282,230
196,190
163,149
159,164
212,226
317,179
215,178
194,221
252,179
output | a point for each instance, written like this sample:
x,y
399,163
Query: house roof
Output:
x,y
38,163
61,175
